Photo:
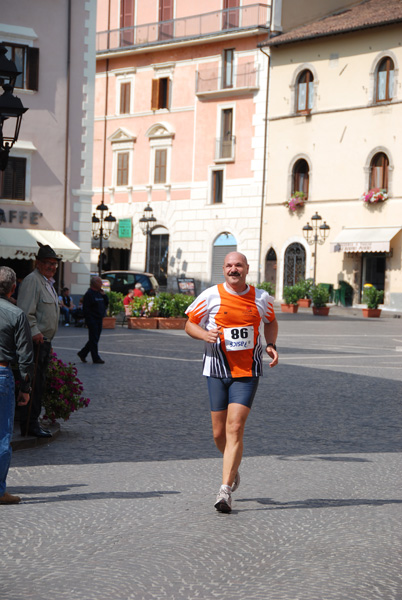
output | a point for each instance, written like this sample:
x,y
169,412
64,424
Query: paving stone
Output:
x,y
121,504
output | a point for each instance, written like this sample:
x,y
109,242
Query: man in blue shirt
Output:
x,y
94,307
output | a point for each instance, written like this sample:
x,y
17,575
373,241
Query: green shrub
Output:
x,y
291,294
267,286
116,305
319,295
373,297
305,286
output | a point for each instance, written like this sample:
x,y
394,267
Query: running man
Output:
x,y
227,317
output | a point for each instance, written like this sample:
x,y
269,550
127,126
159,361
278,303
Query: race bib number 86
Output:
x,y
239,338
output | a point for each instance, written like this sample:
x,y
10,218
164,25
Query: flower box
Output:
x,y
109,322
172,322
304,302
289,308
321,311
374,196
142,322
371,312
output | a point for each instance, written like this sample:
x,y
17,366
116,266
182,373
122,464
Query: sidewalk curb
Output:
x,y
20,442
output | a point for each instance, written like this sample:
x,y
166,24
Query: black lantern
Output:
x,y
11,107
102,228
147,224
316,234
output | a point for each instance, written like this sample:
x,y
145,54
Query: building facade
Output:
x,y
46,189
180,127
335,114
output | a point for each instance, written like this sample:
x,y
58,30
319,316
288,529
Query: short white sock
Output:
x,y
226,488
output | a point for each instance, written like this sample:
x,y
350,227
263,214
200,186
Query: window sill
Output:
x,y
220,161
227,92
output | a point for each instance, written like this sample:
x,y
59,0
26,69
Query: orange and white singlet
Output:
x,y
237,351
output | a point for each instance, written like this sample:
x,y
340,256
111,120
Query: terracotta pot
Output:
x,y
109,323
321,311
289,308
371,312
304,302
172,322
142,323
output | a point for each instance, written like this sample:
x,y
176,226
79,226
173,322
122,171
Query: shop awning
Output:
x,y
22,244
114,241
364,239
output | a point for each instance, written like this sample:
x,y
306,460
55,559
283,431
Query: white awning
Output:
x,y
364,239
22,244
114,241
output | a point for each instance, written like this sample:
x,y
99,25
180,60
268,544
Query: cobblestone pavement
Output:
x,y
120,506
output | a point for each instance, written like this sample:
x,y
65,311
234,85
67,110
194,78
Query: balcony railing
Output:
x,y
213,79
203,25
225,147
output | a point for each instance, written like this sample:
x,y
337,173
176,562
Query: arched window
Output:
x,y
295,264
305,91
379,171
224,243
270,266
300,177
385,80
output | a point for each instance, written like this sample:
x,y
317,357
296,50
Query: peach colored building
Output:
x,y
46,190
180,126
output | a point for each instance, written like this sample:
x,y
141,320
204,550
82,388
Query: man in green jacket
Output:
x,y
39,301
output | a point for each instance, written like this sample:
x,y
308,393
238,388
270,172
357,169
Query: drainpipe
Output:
x,y
264,169
67,132
100,265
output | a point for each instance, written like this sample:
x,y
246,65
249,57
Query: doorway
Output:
x,y
270,266
295,264
158,255
373,269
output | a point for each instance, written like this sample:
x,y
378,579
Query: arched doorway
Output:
x,y
224,243
270,266
295,264
158,254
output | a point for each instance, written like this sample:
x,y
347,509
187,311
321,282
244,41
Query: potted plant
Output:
x,y
115,307
374,196
296,201
143,313
171,310
372,297
320,297
305,286
291,295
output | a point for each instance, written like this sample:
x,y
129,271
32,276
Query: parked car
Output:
x,y
122,281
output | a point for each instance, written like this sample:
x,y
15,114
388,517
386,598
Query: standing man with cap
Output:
x,y
15,342
39,301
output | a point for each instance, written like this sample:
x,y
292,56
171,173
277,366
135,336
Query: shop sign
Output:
x,y
125,228
19,216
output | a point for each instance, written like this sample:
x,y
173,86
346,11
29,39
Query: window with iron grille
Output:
x,y
12,180
26,60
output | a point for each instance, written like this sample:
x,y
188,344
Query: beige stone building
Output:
x,y
335,119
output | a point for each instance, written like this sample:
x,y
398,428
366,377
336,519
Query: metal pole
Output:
x,y
148,248
315,254
100,245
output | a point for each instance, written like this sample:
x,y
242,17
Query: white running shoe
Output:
x,y
236,482
223,501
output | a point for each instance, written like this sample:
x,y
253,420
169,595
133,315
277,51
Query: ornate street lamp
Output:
x,y
102,228
10,106
316,234
147,224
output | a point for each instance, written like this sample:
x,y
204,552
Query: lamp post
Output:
x,y
311,232
102,227
147,223
10,106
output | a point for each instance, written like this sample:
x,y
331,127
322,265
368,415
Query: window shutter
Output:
x,y
32,68
126,13
155,94
13,179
